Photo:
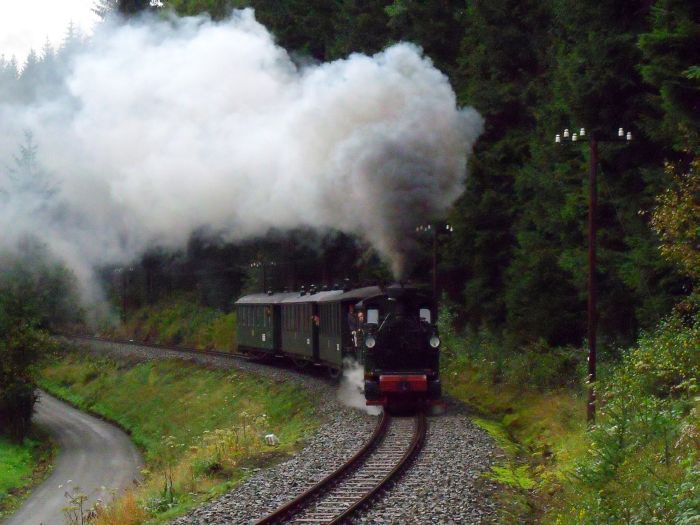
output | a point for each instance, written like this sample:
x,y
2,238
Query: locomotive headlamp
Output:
x,y
370,341
434,341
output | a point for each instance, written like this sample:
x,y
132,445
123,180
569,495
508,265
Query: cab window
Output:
x,y
372,316
424,314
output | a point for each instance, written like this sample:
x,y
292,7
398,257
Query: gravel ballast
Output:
x,y
445,484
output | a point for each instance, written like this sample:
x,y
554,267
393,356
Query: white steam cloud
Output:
x,y
166,126
351,389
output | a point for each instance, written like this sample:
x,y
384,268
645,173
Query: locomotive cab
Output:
x,y
400,345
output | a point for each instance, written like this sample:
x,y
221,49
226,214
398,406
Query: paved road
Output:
x,y
94,455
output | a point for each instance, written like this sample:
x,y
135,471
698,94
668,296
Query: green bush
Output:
x,y
180,320
543,367
537,364
642,465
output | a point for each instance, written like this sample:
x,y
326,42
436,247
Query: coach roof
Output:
x,y
317,297
263,298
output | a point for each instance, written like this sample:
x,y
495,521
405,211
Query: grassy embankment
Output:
x,y
200,429
639,465
22,466
179,321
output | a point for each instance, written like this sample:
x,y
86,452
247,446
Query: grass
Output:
x,y
22,466
179,321
541,433
637,465
200,429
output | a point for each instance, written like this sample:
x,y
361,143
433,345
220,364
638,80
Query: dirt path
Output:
x,y
94,455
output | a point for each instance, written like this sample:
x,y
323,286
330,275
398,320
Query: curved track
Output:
x,y
395,442
393,445
176,349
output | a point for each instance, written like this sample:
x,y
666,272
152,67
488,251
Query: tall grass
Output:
x,y
638,465
200,429
642,466
22,465
179,320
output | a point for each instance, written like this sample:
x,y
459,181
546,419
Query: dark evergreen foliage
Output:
x,y
132,7
35,294
516,261
517,258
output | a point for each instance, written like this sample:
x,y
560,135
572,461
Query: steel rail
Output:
x,y
308,497
416,445
290,512
305,497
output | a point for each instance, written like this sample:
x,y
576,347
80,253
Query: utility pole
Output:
x,y
435,229
263,269
592,262
592,284
436,294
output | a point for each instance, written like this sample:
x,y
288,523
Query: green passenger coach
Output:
x,y
299,333
258,322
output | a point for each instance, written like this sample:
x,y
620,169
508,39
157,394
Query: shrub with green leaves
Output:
x,y
642,465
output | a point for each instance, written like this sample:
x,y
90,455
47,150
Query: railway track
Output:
x,y
174,349
389,451
394,443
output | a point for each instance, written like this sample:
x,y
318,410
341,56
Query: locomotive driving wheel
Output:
x,y
334,372
300,363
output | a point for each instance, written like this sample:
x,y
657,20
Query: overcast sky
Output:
x,y
25,24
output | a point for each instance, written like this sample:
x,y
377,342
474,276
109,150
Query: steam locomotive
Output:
x,y
389,330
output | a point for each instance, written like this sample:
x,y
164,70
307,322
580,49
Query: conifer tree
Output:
x,y
672,65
